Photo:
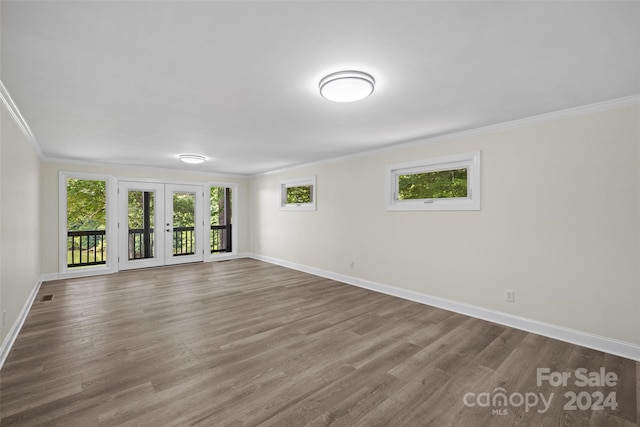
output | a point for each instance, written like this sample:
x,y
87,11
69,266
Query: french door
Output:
x,y
159,224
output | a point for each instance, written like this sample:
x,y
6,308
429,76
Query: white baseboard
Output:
x,y
227,256
10,339
49,276
101,271
596,342
81,272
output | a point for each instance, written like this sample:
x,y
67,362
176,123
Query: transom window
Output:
x,y
298,194
442,183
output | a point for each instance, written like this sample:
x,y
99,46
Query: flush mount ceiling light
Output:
x,y
192,158
347,86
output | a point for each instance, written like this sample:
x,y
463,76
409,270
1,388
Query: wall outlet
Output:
x,y
352,265
509,295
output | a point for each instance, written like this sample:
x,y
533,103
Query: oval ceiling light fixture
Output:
x,y
193,159
347,86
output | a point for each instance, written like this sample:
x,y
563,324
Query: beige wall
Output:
x,y
19,220
560,223
50,178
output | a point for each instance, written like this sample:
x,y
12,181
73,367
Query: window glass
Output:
x,y
86,222
301,194
441,183
433,185
298,194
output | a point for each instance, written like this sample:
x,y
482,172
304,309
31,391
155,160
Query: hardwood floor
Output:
x,y
248,343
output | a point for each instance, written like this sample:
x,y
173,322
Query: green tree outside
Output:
x,y
86,204
433,185
220,206
86,211
184,209
297,195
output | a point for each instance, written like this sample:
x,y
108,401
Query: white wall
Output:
x,y
560,223
19,220
50,178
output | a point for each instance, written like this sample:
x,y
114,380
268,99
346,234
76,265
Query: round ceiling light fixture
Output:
x,y
347,86
193,159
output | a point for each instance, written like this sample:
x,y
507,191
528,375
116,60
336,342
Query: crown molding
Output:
x,y
555,115
196,173
18,118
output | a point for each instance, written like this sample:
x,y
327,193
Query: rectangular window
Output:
x,y
86,222
220,213
443,183
298,194
88,241
447,184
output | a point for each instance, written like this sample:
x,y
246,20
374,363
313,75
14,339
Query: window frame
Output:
x,y
469,161
298,182
111,189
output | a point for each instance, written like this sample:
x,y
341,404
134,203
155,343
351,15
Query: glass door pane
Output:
x,y
184,214
184,217
140,225
220,214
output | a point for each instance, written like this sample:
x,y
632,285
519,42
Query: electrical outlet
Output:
x,y
509,295
352,265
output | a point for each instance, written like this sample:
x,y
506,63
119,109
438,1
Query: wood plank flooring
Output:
x,y
244,342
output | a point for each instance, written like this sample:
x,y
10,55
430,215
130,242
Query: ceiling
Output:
x,y
140,82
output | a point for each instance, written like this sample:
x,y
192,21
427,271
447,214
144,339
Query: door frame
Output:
x,y
198,224
124,263
163,224
113,235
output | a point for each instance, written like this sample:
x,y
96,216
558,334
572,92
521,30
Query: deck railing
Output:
x,y
89,247
183,241
220,238
86,248
141,243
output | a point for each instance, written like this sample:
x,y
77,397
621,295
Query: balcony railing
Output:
x,y
220,238
183,241
87,248
141,243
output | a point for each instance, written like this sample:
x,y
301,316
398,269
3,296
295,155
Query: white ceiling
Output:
x,y
141,82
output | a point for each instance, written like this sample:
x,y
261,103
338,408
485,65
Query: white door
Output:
x,y
159,224
183,223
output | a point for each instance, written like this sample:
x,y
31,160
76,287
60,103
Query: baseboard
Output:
x,y
17,325
101,271
226,257
596,342
49,276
